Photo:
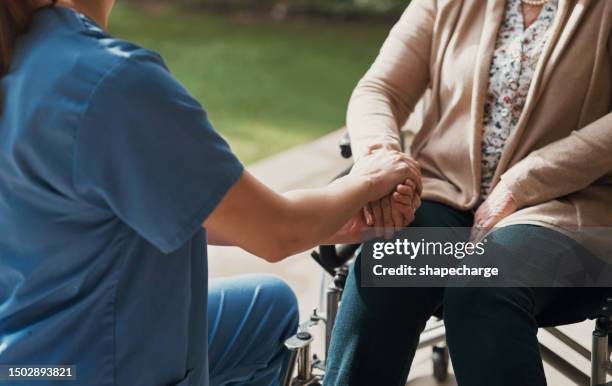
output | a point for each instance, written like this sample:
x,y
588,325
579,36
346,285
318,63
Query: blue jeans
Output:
x,y
249,318
491,332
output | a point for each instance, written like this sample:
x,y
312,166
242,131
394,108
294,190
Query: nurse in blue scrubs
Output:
x,y
112,183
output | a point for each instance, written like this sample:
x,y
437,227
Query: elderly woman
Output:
x,y
517,135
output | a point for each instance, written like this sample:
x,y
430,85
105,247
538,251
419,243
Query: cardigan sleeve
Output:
x,y
563,167
387,94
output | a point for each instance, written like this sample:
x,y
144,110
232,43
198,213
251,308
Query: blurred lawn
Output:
x,y
267,86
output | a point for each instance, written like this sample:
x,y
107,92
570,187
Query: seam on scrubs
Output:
x,y
119,273
113,326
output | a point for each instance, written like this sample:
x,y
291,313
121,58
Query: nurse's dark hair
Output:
x,y
15,19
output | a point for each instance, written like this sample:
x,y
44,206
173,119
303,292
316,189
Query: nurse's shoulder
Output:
x,y
92,56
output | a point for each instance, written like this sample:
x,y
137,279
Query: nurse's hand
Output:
x,y
384,170
351,233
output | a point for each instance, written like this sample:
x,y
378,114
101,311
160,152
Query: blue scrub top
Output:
x,y
108,167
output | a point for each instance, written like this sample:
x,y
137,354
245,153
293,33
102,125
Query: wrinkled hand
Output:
x,y
385,170
396,210
495,208
403,202
393,212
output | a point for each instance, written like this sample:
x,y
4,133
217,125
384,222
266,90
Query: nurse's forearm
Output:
x,y
318,214
275,226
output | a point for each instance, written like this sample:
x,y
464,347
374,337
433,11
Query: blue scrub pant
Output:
x,y
249,319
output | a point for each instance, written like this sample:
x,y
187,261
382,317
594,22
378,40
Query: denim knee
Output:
x,y
465,306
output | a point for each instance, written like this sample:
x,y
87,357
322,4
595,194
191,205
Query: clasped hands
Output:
x,y
396,210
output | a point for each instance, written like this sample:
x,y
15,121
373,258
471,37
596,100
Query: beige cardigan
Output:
x,y
558,161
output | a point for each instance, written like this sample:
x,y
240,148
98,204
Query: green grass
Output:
x,y
267,86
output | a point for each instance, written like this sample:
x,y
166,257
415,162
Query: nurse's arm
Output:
x,y
275,226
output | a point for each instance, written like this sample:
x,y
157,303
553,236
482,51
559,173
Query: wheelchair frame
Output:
x,y
601,348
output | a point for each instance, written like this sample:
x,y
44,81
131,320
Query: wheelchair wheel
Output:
x,y
440,363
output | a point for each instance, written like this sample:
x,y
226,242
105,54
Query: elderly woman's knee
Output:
x,y
385,303
463,305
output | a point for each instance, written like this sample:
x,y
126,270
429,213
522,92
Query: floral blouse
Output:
x,y
514,61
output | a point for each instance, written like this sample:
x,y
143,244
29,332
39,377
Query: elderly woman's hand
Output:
x,y
393,212
495,208
383,170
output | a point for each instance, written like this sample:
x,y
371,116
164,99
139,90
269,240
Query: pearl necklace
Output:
x,y
536,3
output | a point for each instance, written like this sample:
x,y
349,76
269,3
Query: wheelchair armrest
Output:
x,y
606,310
603,319
345,146
330,257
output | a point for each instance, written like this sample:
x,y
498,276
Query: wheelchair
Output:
x,y
308,369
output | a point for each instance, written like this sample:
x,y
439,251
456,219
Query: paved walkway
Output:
x,y
313,165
